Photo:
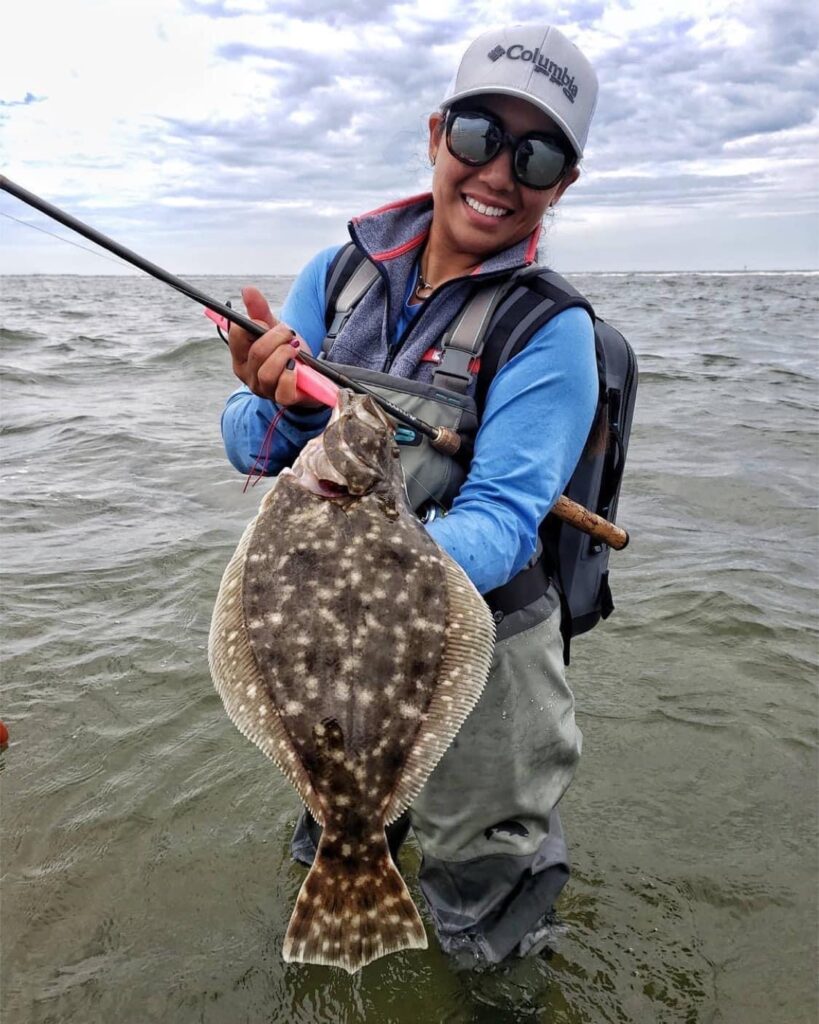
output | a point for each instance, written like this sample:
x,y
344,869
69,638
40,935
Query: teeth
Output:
x,y
489,211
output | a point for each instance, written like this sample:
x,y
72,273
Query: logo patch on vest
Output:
x,y
559,74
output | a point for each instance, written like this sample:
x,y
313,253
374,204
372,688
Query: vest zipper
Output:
x,y
394,350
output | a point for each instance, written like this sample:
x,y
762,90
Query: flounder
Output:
x,y
349,648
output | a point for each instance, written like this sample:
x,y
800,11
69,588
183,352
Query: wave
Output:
x,y
25,336
187,351
715,613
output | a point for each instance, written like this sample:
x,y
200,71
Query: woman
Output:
x,y
504,147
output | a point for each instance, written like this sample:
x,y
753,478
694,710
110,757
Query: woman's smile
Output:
x,y
485,208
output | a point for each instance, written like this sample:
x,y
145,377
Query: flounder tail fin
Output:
x,y
350,910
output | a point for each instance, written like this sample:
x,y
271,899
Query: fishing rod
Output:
x,y
442,438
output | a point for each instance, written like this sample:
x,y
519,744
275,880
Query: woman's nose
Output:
x,y
497,174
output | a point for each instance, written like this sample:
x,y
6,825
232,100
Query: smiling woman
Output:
x,y
491,188
406,307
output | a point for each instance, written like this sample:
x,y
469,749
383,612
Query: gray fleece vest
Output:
x,y
393,238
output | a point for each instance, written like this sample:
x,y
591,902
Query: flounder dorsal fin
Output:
x,y
468,644
240,683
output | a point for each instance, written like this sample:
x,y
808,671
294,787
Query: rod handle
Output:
x,y
445,440
589,522
315,385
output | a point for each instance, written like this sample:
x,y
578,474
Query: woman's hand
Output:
x,y
261,363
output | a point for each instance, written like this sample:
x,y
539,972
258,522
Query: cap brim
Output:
x,y
506,90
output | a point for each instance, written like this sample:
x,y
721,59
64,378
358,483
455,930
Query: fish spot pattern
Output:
x,y
397,652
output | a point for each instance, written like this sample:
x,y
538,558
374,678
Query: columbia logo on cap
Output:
x,y
559,74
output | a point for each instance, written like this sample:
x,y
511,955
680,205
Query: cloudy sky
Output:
x,y
238,136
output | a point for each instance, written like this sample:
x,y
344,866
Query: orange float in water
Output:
x,y
4,735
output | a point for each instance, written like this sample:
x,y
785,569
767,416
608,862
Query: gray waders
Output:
x,y
494,856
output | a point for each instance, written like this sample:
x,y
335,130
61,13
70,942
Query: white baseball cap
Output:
x,y
537,63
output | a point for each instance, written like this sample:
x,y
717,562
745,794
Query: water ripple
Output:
x,y
145,842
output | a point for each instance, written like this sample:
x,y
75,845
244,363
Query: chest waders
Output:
x,y
494,856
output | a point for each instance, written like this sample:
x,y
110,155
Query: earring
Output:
x,y
432,160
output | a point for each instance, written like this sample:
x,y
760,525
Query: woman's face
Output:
x,y
460,227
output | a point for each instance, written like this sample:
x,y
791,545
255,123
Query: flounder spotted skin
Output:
x,y
350,648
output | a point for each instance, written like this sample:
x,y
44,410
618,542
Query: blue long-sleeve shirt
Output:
x,y
537,416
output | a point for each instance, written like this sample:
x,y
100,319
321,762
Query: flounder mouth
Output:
x,y
316,485
324,488
314,471
340,470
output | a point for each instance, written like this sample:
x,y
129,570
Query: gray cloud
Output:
x,y
677,96
336,146
674,190
667,98
345,128
670,102
584,14
214,8
331,12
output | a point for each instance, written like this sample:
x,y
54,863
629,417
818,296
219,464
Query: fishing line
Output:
x,y
263,457
418,483
62,238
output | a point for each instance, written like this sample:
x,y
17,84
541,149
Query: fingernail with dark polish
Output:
x,y
295,342
290,364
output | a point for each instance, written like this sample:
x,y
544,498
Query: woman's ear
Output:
x,y
568,180
436,130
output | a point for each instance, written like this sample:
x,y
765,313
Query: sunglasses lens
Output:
x,y
539,162
473,139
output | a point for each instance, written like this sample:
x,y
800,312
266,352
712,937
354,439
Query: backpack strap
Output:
x,y
496,322
533,300
463,342
350,276
534,297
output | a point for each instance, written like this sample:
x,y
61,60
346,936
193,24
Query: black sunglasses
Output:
x,y
538,160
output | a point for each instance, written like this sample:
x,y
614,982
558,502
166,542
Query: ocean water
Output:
x,y
145,868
